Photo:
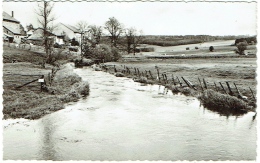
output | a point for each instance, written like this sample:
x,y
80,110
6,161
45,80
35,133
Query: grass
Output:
x,y
29,102
223,103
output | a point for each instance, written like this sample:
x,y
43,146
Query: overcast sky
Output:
x,y
153,18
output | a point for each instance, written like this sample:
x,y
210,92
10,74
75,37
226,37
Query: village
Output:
x,y
114,81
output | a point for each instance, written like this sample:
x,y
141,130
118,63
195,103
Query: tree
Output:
x,y
115,29
95,34
29,27
22,31
45,20
83,29
211,48
241,47
133,38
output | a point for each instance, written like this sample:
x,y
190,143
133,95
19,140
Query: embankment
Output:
x,y
25,103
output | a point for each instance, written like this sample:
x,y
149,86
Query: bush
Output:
x,y
101,52
211,48
223,103
119,74
56,45
241,47
74,42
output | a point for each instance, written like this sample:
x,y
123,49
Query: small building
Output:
x,y
11,28
68,31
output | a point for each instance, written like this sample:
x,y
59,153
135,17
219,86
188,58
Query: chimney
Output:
x,y
12,13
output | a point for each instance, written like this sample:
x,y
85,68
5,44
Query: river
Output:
x,y
124,120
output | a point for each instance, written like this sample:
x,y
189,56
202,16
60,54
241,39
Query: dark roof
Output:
x,y
74,29
9,17
13,30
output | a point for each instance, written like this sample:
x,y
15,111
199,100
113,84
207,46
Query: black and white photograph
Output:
x,y
129,81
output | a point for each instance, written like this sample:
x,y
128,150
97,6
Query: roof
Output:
x,y
38,34
74,29
13,30
9,17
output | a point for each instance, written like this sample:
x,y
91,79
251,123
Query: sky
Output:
x,y
153,18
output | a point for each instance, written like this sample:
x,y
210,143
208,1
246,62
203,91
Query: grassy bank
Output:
x,y
29,102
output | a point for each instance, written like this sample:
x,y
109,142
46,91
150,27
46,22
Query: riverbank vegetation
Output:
x,y
29,101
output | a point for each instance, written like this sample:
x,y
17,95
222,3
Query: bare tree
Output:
x,y
115,29
45,20
82,26
133,38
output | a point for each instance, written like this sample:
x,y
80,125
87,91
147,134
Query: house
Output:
x,y
68,31
30,32
61,34
37,37
11,28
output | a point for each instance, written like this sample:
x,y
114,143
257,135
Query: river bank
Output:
x,y
240,73
30,101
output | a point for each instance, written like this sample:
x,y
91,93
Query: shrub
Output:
x,y
211,48
74,42
223,103
142,80
187,48
241,47
119,74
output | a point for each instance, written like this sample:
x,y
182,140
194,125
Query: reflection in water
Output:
x,y
48,128
128,121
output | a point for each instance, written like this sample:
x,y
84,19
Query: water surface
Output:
x,y
123,120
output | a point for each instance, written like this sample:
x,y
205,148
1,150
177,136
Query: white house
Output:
x,y
69,31
11,28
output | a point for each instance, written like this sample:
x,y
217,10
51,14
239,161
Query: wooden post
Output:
x,y
201,85
151,74
230,91
115,68
138,72
135,70
173,80
185,82
163,78
158,73
205,83
237,89
252,92
179,81
216,86
166,78
223,87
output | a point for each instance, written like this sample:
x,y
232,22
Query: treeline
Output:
x,y
170,43
249,40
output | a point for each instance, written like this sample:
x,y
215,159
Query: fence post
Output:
x,y
158,73
230,91
201,84
179,81
151,74
223,87
252,92
216,86
205,83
